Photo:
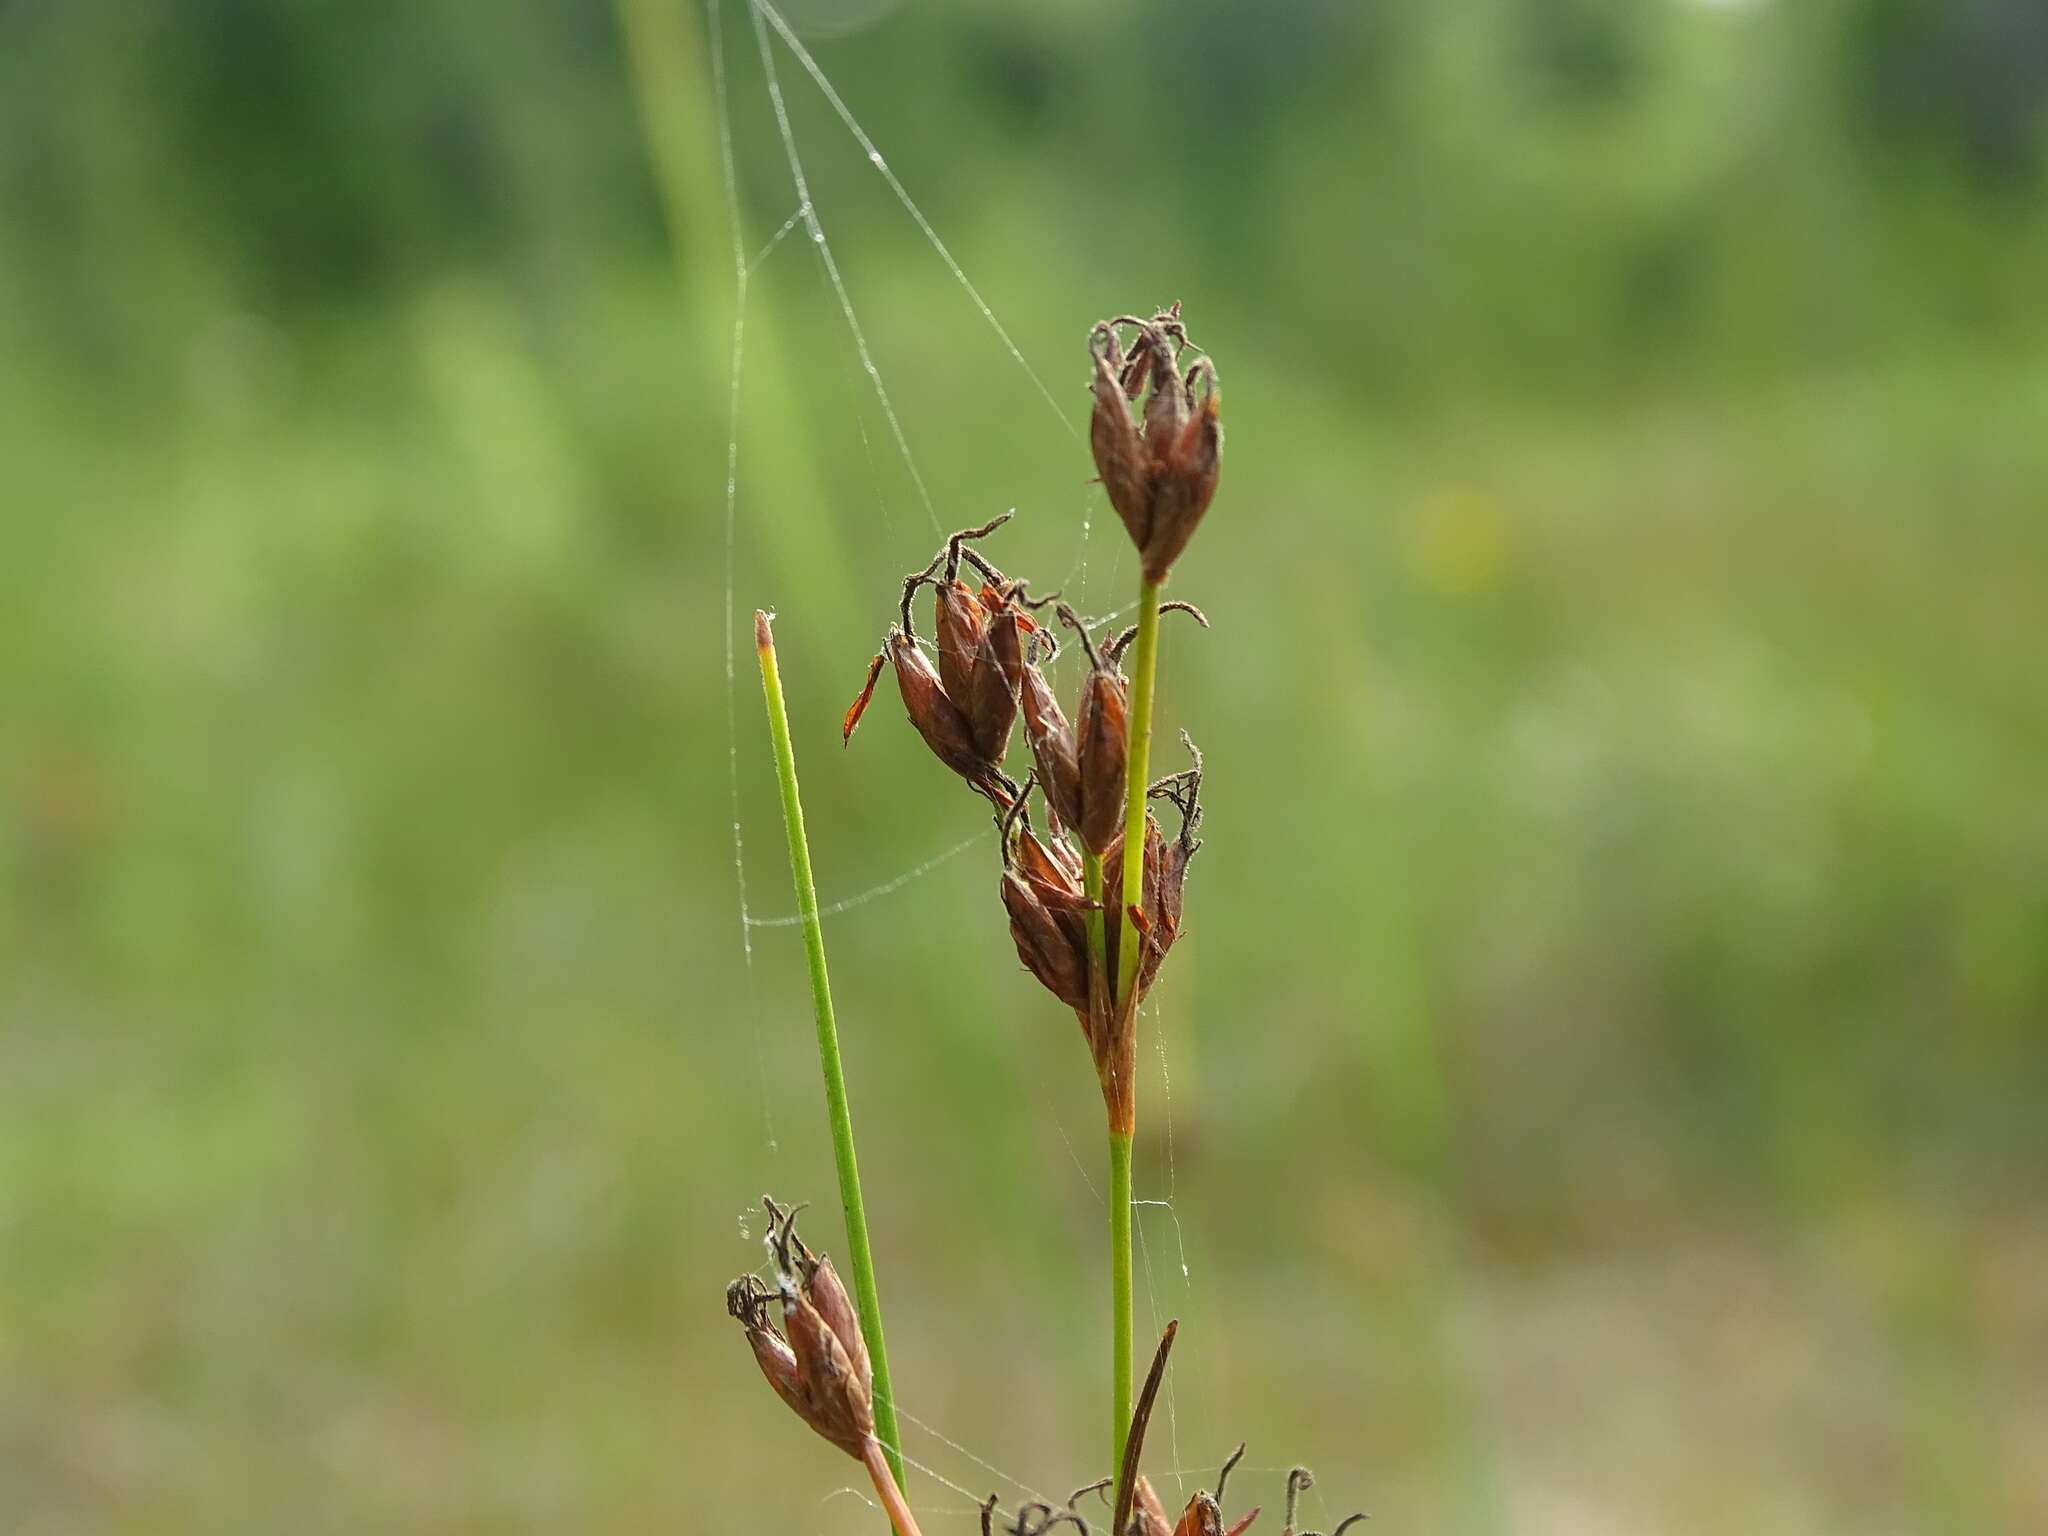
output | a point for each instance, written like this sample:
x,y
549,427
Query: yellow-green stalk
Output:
x,y
860,1259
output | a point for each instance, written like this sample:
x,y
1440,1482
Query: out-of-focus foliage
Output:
x,y
1608,1045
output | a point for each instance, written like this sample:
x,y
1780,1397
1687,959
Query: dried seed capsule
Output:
x,y
937,718
1113,438
959,621
1184,476
818,1362
772,1353
991,698
1167,407
827,1292
1159,477
840,1408
1045,945
1048,865
1053,750
1102,739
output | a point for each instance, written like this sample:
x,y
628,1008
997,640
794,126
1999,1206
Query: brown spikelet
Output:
x,y
1050,864
1046,947
1113,437
1183,483
959,621
1102,742
937,718
991,698
817,1362
828,1294
1160,477
1051,740
839,1407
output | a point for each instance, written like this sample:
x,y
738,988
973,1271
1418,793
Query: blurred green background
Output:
x,y
1608,1052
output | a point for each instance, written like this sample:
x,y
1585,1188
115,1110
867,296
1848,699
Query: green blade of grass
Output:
x,y
867,1297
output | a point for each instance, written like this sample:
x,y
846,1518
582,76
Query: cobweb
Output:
x,y
909,540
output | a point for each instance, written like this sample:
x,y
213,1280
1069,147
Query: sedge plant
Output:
x,y
1093,893
1094,902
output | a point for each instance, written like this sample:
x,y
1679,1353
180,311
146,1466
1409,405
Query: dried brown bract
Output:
x,y
1160,469
1166,865
1148,1515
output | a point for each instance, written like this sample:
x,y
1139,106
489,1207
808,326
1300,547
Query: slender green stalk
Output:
x,y
860,1258
1098,939
1120,1293
1144,668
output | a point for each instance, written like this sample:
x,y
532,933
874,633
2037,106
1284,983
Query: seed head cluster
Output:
x,y
992,646
1159,471
1060,884
1155,435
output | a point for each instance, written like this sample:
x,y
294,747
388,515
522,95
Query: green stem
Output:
x,y
867,1300
1144,666
1144,669
1098,941
1120,1294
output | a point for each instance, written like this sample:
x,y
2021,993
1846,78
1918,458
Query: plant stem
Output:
x,y
1098,943
1120,1293
867,1299
1144,669
890,1490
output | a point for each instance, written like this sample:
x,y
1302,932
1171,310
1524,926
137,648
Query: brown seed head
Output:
x,y
818,1361
1161,478
1102,741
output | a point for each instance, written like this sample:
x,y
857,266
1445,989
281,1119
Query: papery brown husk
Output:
x,y
835,1403
937,718
958,622
1102,744
991,697
1046,946
1051,739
